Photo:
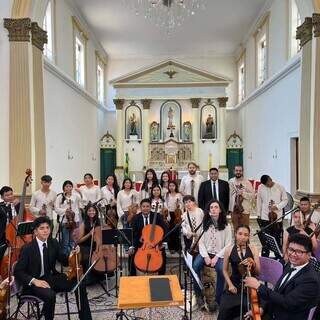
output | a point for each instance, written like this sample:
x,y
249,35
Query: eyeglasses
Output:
x,y
296,251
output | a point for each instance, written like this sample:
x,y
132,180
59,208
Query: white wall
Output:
x,y
5,12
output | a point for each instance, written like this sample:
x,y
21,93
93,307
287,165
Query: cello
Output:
x,y
149,257
15,241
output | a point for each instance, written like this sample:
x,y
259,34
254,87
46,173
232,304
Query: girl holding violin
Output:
x,y
298,227
89,191
243,258
174,203
150,180
67,207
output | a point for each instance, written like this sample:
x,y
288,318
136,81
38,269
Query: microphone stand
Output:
x,y
275,221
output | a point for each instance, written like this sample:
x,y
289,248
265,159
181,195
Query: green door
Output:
x,y
234,157
107,163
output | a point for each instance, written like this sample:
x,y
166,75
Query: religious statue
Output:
x,y
170,119
187,131
133,125
210,130
154,131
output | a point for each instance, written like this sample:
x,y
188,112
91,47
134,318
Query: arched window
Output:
x,y
294,22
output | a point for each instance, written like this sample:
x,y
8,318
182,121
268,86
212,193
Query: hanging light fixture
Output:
x,y
166,14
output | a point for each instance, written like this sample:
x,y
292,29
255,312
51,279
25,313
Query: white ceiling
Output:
x,y
218,30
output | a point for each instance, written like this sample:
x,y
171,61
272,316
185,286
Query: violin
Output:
x,y
75,270
177,214
16,242
132,210
238,207
148,257
273,216
70,216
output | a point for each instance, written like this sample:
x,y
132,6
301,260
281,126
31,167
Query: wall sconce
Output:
x,y
275,154
250,156
69,155
93,157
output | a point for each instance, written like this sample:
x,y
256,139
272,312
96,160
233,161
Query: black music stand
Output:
x,y
270,242
24,228
118,237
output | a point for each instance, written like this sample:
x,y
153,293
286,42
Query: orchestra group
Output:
x,y
209,219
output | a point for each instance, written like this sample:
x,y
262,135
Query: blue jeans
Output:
x,y
67,241
198,264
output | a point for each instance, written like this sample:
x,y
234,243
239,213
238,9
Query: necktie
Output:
x,y
287,277
10,216
192,187
145,221
45,259
214,191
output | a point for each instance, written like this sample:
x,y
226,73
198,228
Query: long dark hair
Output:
x,y
176,186
67,182
154,180
222,219
86,219
125,180
115,183
161,178
151,193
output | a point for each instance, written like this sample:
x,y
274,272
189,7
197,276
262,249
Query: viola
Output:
x,y
148,257
273,216
75,269
238,207
70,216
16,242
177,214
132,210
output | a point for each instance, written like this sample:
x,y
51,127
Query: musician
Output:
x,y
157,202
164,182
173,200
297,290
110,191
310,215
215,237
126,197
68,205
191,182
89,191
150,180
241,254
192,221
9,208
299,226
239,186
139,222
214,189
42,201
271,197
36,271
87,245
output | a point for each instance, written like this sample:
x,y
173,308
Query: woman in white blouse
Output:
x,y
89,191
173,200
217,235
66,203
126,197
150,180
110,191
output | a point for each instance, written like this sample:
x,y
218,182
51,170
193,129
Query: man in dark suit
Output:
x,y
36,271
214,188
297,290
9,208
138,223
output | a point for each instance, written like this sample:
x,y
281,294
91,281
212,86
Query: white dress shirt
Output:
x,y
215,185
90,194
107,194
277,193
171,201
124,200
40,245
39,199
185,185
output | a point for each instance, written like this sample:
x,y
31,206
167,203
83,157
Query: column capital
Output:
x,y
118,103
222,102
39,36
304,32
19,29
316,24
146,103
195,102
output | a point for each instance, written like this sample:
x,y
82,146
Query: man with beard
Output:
x,y
310,216
241,198
191,182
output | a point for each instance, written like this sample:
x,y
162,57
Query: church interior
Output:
x,y
119,87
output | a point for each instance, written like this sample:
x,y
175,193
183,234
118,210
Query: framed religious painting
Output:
x,y
187,131
133,122
170,120
208,123
154,131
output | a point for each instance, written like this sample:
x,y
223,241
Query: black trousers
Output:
x,y
174,238
59,283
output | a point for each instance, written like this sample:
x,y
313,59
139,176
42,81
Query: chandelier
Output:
x,y
167,14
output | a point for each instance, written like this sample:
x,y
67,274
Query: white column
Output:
x,y
222,132
145,130
195,128
120,131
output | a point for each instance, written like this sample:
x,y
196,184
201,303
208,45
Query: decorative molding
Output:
x,y
304,32
118,103
195,102
100,57
54,70
222,102
39,36
146,103
108,141
19,29
78,25
316,24
269,83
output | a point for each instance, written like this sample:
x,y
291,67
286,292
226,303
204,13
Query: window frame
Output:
x,y
241,61
53,43
101,62
78,32
292,30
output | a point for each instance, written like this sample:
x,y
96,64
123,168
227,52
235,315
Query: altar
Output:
x,y
168,115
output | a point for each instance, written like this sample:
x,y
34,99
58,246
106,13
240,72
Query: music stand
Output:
x,y
118,237
270,242
24,228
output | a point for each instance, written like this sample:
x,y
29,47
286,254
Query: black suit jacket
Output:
x,y
138,224
294,300
29,262
205,193
4,213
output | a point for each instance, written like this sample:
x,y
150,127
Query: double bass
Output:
x,y
149,257
15,241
